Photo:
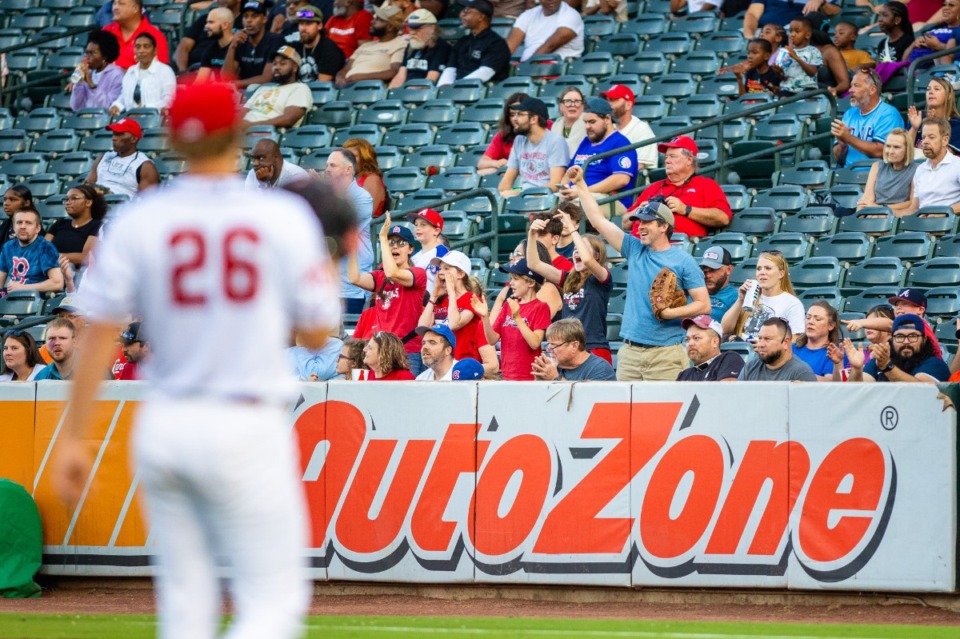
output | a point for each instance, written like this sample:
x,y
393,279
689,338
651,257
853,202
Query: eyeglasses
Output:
x,y
342,356
772,252
552,347
910,338
571,102
398,243
306,14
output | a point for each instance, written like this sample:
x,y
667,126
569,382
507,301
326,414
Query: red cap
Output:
x,y
618,91
427,215
679,142
202,109
127,125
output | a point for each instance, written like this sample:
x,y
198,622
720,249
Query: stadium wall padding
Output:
x,y
769,485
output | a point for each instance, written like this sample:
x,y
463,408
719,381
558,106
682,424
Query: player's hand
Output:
x,y
72,466
881,354
265,172
479,306
544,368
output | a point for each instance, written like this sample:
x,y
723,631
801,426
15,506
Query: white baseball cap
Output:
x,y
454,258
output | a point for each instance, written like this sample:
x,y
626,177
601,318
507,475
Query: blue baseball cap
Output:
x,y
521,268
466,370
909,295
441,330
403,233
909,321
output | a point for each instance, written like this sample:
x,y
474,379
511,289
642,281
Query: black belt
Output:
x,y
639,345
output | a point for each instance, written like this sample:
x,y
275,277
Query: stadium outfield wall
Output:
x,y
772,485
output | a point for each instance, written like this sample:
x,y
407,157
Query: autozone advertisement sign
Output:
x,y
810,486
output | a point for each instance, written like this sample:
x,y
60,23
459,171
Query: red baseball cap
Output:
x,y
202,109
679,142
618,91
127,125
427,215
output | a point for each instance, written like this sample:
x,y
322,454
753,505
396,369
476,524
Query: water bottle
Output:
x,y
77,73
752,297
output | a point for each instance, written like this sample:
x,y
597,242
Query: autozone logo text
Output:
x,y
636,487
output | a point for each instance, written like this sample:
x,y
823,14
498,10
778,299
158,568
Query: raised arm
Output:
x,y
607,229
551,273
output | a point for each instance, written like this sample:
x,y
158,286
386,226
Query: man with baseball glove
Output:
x,y
664,286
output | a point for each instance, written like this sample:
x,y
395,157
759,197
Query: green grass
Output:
x,y
15,626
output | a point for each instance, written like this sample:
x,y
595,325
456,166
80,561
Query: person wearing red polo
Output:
x,y
697,202
128,23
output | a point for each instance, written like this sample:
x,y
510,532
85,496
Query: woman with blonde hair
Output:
x,y
890,182
941,103
777,299
369,175
386,358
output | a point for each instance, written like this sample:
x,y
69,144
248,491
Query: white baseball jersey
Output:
x,y
220,275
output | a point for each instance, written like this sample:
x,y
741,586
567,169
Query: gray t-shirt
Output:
x,y
594,368
795,370
534,161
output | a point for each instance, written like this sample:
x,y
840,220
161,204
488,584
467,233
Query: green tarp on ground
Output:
x,y
21,542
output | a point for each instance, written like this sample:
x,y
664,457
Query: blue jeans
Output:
x,y
416,363
353,305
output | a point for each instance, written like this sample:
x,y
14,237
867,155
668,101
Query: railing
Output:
x,y
912,69
722,163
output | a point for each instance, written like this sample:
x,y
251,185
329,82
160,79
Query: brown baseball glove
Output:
x,y
664,293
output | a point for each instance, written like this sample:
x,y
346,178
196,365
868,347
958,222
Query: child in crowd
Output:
x,y
799,61
756,75
428,229
845,37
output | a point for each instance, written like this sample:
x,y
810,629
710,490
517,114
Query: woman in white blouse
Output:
x,y
21,358
149,83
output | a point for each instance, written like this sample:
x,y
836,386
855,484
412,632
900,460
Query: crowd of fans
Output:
x,y
422,312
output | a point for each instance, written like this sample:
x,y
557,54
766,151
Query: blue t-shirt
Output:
x,y
50,372
363,204
625,162
639,324
872,127
817,359
722,301
28,264
941,32
932,366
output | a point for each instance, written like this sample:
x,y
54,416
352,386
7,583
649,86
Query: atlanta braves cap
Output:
x,y
911,296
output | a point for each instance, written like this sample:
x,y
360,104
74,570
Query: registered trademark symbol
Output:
x,y
889,418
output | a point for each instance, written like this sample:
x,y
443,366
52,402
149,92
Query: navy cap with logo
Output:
x,y
403,233
536,107
134,333
911,296
521,268
253,5
715,257
483,6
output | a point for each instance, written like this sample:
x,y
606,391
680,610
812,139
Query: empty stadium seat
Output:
x,y
699,64
698,107
43,185
307,138
20,304
71,165
317,160
673,85
875,271
13,141
668,43
816,271
872,220
936,220
648,64
943,302
434,155
793,246
784,199
384,114
438,112
830,294
542,67
620,45
461,136
811,174
409,136
322,92
755,221
24,165
364,92
369,132
404,180
413,92
596,65
868,298
458,178
336,114
937,271
39,120
745,270
55,143
812,220
86,120
846,247
463,91
911,246
737,244
948,246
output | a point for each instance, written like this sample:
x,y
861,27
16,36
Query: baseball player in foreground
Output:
x,y
221,275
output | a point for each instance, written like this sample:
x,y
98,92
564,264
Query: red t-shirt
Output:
x,y
398,310
364,327
127,58
516,356
498,150
130,372
562,264
467,335
399,375
699,192
119,362
346,33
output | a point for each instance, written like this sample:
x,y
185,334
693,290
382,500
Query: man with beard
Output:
x,y
865,125
612,174
698,203
482,53
717,266
703,349
61,343
427,53
250,54
198,38
135,350
219,27
320,57
29,262
381,59
125,170
775,361
621,100
937,180
284,103
538,156
349,27
911,359
436,351
341,174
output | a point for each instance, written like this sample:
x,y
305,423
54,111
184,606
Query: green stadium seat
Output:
x,y
461,136
816,271
463,91
668,125
872,220
455,179
486,111
511,229
39,120
422,198
935,220
43,185
811,174
13,141
66,58
778,128
98,142
830,294
738,244
745,270
698,107
154,141
307,138
673,44
723,42
946,331
650,108
364,92
738,196
850,176
630,80
813,221
697,22
388,157
458,226
51,209
369,132
733,131
31,21
337,113
385,114
403,180
948,246
673,85
699,64
553,89
747,101
147,117
874,271
437,112
409,136
937,271
502,26
323,92
18,305
647,24
71,165
413,92
517,84
793,246
24,165
530,201
755,173
863,301
253,135
743,349
620,45
723,86
815,107
316,160
756,221
78,17
846,247
599,26
86,120
542,67
846,195
649,64
596,65
170,163
471,157
911,246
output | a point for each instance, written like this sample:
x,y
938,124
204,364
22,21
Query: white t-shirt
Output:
x,y
938,186
538,28
784,305
221,276
8,377
534,161
428,375
619,14
270,101
421,259
636,131
289,172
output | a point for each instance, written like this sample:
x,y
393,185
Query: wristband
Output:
x,y
889,367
